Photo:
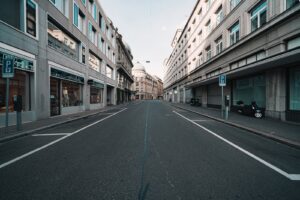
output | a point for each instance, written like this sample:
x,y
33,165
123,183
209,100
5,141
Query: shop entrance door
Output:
x,y
54,97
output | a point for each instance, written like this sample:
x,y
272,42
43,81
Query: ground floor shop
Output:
x,y
22,85
276,90
123,95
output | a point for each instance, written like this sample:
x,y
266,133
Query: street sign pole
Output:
x,y
7,102
222,104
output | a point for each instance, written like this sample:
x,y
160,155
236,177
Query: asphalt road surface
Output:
x,y
147,150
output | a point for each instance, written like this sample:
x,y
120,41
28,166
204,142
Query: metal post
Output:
x,y
7,102
222,113
19,121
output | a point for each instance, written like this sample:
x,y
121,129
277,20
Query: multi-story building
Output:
x,y
145,85
256,43
124,70
160,87
63,53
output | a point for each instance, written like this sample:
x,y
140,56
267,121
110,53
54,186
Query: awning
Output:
x,y
95,84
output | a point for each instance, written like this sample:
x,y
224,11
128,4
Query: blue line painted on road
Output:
x,y
143,189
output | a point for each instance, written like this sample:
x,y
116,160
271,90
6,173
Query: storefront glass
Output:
x,y
250,89
295,89
96,95
71,94
19,85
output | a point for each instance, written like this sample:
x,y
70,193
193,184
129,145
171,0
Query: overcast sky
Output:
x,y
148,26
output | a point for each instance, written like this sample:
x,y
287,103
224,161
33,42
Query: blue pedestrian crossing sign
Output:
x,y
222,80
8,68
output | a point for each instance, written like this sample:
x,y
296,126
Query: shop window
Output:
x,y
250,89
96,95
62,42
19,85
71,94
294,97
258,15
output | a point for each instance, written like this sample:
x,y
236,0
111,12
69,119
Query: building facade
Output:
x,y
255,43
64,57
124,71
145,85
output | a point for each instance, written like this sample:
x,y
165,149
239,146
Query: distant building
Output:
x,y
256,43
124,71
145,86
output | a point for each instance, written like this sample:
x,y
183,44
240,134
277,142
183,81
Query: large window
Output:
x,y
250,89
294,103
234,33
258,15
19,85
61,42
71,94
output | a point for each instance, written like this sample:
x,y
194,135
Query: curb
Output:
x,y
255,131
25,133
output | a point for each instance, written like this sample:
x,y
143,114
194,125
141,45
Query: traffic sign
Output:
x,y
222,80
8,68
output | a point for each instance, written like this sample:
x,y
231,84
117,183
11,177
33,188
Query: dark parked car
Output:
x,y
251,110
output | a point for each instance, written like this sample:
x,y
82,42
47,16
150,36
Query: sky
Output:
x,y
148,26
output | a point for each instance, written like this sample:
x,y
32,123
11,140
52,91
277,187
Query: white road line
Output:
x,y
55,141
200,120
50,134
293,177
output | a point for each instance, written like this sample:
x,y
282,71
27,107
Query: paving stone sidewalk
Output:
x,y
27,128
280,131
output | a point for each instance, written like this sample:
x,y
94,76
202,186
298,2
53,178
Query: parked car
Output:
x,y
195,102
250,110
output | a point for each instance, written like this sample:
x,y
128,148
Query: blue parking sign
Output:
x,y
222,80
8,68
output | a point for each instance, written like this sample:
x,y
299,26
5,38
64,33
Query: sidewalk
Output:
x,y
28,128
277,130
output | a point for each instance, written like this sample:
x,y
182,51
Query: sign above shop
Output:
x,y
8,68
66,76
18,63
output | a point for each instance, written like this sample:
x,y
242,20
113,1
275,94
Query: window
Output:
x,y
83,2
94,62
62,42
258,15
31,18
83,53
102,45
294,103
208,27
293,43
71,94
291,3
100,21
234,33
208,53
92,34
62,6
95,11
220,15
109,72
219,45
96,95
234,3
75,14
